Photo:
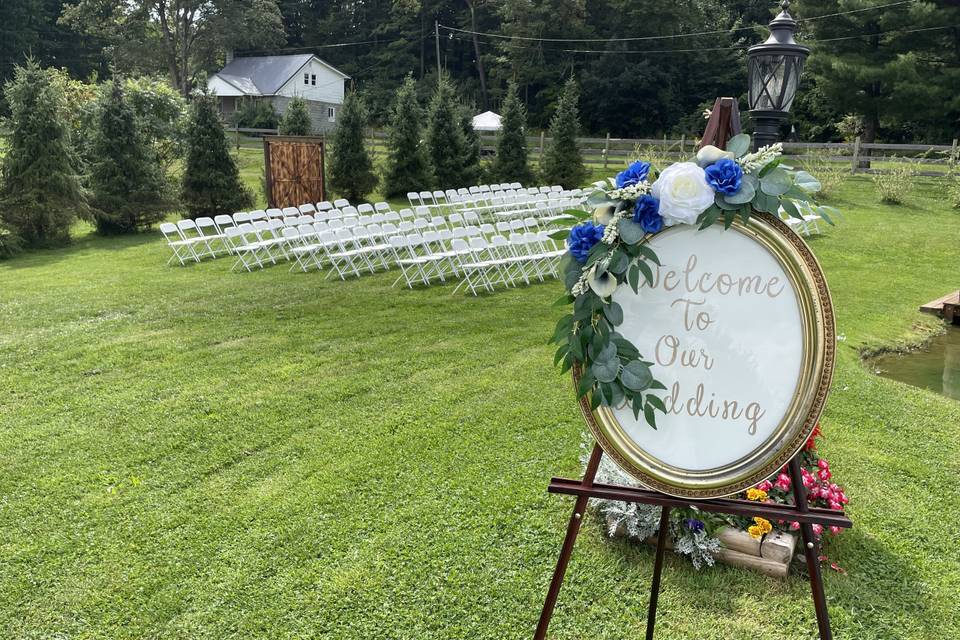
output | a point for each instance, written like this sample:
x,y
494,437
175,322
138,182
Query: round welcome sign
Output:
x,y
739,327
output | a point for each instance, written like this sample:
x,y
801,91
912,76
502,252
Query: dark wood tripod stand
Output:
x,y
800,512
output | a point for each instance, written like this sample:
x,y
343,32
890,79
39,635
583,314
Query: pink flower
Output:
x,y
836,506
783,482
843,498
794,525
808,480
823,464
818,529
766,485
824,474
835,530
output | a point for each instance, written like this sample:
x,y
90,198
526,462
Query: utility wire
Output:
x,y
732,48
668,37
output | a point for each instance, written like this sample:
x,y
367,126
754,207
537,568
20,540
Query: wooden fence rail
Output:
x,y
611,153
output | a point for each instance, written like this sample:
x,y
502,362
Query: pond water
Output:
x,y
937,367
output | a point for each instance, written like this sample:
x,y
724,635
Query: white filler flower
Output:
x,y
683,193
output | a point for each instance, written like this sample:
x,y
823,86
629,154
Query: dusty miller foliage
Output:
x,y
639,521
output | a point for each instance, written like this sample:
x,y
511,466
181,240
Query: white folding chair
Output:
x,y
307,208
181,247
341,203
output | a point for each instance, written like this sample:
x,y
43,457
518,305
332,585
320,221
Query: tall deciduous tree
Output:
x,y
407,166
351,168
510,163
182,37
296,120
129,191
40,190
211,182
562,163
446,145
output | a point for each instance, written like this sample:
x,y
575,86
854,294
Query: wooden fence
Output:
x,y
612,153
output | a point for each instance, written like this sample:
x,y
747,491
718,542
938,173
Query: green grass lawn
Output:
x,y
192,453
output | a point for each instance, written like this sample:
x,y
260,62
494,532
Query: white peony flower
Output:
x,y
710,154
683,193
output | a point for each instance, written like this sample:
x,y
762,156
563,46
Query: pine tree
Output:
x,y
562,163
211,183
407,167
472,170
296,120
510,164
40,192
351,169
129,189
446,145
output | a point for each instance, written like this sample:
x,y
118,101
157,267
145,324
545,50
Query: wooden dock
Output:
x,y
947,307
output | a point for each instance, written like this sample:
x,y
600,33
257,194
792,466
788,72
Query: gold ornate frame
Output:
x,y
819,346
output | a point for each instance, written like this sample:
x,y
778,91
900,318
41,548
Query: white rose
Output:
x,y
683,193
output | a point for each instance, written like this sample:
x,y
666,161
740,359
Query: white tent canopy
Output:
x,y
486,121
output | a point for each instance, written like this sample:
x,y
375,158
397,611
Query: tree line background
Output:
x,y
890,72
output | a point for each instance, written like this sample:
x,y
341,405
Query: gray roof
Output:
x,y
264,75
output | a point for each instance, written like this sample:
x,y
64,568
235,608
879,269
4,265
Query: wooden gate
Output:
x,y
294,170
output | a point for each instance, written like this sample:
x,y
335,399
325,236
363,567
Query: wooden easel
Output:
x,y
723,124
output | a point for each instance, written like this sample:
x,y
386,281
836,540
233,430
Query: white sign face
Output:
x,y
722,325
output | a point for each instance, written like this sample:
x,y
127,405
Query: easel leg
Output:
x,y
657,570
811,552
573,529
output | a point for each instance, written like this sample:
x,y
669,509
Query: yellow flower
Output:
x,y
764,525
755,532
756,494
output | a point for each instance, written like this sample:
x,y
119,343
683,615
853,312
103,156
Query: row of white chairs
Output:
x,y
191,240
440,196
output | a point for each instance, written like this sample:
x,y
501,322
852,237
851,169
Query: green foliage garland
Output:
x,y
612,370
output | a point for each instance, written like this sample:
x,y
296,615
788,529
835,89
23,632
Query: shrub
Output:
x,y
161,116
296,121
894,185
446,146
129,190
407,166
510,163
562,163
351,169
829,166
40,191
211,183
255,114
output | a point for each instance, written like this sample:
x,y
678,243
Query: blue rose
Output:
x,y
635,173
724,176
582,238
646,213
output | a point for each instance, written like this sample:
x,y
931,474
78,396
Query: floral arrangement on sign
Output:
x,y
609,246
693,532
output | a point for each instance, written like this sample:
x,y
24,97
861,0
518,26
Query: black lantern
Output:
x,y
773,73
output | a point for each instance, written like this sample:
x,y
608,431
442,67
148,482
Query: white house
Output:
x,y
279,79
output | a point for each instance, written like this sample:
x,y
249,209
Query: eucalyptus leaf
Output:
x,y
561,234
618,263
649,254
739,144
720,200
646,271
614,313
743,195
791,208
606,370
636,376
630,231
807,182
776,183
633,277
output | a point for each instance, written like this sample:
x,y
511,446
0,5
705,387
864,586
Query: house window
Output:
x,y
313,79
331,114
